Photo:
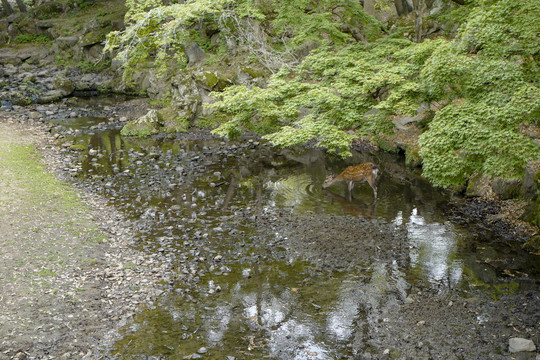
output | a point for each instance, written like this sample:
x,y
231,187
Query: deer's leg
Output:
x,y
373,186
350,186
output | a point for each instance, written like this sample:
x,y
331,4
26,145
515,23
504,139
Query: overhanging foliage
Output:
x,y
480,86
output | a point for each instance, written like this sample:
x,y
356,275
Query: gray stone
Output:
x,y
519,344
51,96
4,24
66,42
64,85
117,25
194,53
95,52
506,188
531,180
43,25
479,185
10,59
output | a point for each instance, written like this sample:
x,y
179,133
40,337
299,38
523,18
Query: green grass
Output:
x,y
33,39
46,273
43,190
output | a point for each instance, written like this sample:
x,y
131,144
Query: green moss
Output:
x,y
93,37
144,126
172,121
139,130
46,273
78,147
164,101
254,72
210,122
385,143
41,186
208,78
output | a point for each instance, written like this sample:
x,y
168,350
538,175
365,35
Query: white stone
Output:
x,y
519,344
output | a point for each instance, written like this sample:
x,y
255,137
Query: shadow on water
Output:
x,y
203,198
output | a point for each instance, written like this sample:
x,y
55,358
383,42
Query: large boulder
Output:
x,y
185,95
50,96
48,9
531,180
63,85
194,53
146,125
4,25
9,59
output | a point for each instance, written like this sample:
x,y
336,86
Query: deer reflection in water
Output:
x,y
353,207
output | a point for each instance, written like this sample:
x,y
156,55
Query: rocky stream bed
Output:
x,y
230,250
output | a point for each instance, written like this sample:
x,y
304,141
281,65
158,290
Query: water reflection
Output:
x,y
434,251
268,308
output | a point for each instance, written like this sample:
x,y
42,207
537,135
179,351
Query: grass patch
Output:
x,y
25,171
33,39
46,273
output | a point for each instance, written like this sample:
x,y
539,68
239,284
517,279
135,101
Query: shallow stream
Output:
x,y
240,224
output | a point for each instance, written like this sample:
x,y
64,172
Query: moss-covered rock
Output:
x,y
254,72
173,120
213,80
78,147
48,10
93,37
64,84
532,212
146,125
531,180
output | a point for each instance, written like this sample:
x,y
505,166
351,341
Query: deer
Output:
x,y
355,174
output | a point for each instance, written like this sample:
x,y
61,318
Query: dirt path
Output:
x,y
64,285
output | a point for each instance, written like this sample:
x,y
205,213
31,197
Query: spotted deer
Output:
x,y
355,174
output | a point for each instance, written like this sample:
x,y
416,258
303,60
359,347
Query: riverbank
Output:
x,y
69,275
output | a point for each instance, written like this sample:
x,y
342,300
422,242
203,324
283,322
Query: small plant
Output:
x,y
88,66
33,39
84,4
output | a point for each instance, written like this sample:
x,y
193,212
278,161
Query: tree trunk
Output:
x,y
21,5
8,10
402,7
418,6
